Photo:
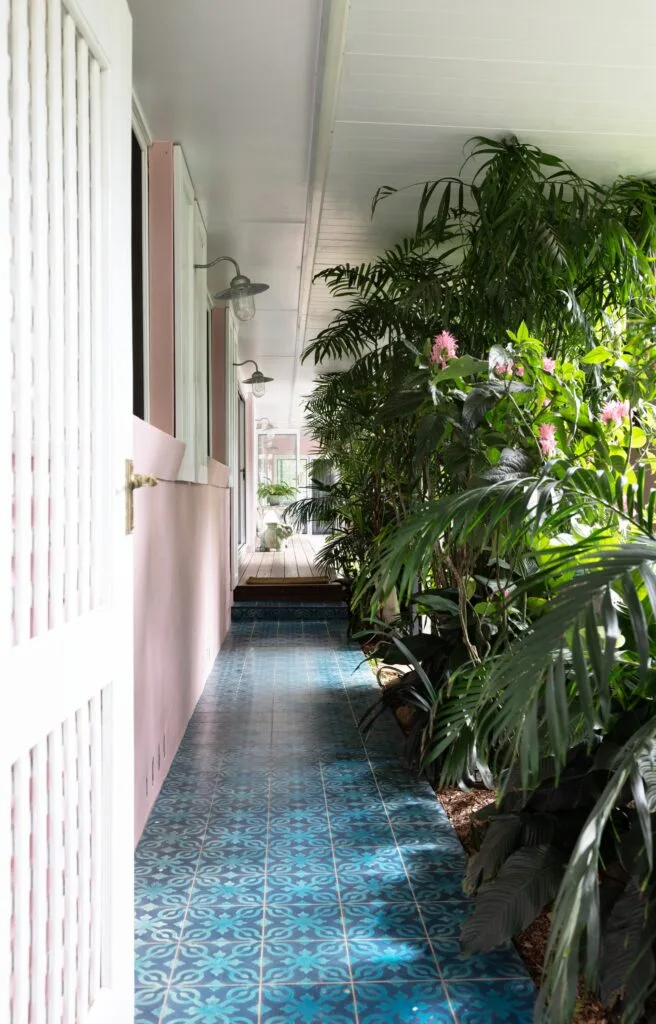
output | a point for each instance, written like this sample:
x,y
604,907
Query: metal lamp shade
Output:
x,y
258,383
240,295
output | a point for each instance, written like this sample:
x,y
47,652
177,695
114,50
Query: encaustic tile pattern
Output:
x,y
291,873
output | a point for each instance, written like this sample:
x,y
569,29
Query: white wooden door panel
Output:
x,y
66,727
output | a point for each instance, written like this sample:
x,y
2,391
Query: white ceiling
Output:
x,y
420,77
235,83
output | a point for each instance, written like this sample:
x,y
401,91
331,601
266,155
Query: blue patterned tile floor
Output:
x,y
291,874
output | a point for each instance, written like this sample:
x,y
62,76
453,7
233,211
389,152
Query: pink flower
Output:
x,y
445,347
504,369
547,439
520,371
548,365
615,412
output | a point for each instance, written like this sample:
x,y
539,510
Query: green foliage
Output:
x,y
281,490
524,238
491,509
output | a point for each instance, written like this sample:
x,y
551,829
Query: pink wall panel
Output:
x,y
182,603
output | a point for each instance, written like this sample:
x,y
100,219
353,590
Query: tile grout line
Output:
x,y
339,897
266,848
195,875
334,856
405,869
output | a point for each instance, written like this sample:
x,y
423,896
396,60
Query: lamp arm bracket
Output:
x,y
247,361
219,259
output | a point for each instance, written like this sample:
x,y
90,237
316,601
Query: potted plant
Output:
x,y
274,494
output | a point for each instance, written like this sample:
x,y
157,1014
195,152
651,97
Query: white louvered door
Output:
x,y
66,728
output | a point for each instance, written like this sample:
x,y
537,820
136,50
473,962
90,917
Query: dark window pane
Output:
x,y
138,382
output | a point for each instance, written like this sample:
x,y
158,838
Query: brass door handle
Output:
x,y
133,481
138,480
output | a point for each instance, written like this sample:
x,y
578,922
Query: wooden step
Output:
x,y
324,593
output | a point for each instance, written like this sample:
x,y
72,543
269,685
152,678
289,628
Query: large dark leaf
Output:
x,y
512,463
422,646
627,967
632,852
526,883
400,405
438,603
500,840
477,404
429,433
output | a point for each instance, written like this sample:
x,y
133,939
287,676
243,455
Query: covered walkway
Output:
x,y
291,875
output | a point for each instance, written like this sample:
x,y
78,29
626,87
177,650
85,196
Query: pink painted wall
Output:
x,y
182,589
308,446
182,599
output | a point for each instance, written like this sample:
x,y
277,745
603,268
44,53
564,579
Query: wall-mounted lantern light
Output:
x,y
241,291
257,380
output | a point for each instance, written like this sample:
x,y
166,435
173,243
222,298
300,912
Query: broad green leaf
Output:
x,y
600,354
438,604
465,366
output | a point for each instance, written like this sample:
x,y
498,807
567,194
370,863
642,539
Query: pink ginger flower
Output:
x,y
445,347
547,440
548,365
504,369
615,412
519,371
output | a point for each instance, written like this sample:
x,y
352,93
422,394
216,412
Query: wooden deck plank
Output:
x,y
288,561
278,564
301,567
294,561
266,566
305,566
312,546
245,567
256,562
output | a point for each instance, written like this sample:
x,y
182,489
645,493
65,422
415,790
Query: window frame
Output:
x,y
190,292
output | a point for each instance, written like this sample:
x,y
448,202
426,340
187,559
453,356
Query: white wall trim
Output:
x,y
232,456
140,124
332,42
186,288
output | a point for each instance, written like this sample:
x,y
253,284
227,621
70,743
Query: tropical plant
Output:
x,y
526,238
498,488
570,709
275,492
564,718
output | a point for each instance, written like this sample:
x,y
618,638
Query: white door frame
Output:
x,y
66,619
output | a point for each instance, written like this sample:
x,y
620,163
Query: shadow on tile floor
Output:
x,y
290,875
